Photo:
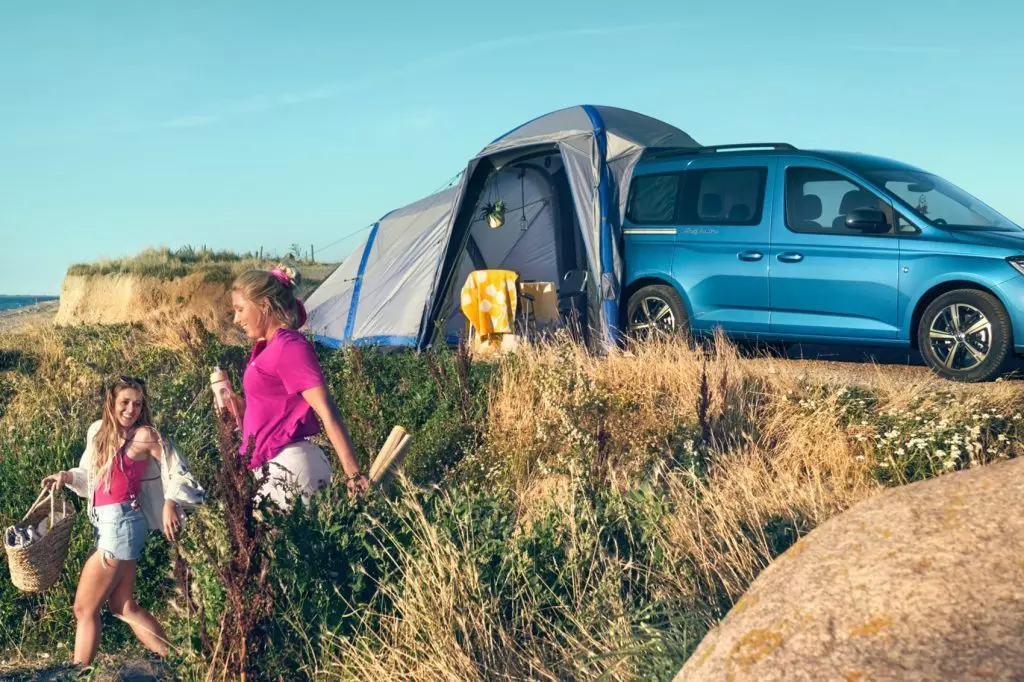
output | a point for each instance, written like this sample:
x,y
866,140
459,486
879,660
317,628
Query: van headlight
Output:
x,y
1017,262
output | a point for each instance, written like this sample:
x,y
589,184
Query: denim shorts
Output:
x,y
120,531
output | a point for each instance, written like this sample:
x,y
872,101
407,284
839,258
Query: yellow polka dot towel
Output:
x,y
489,301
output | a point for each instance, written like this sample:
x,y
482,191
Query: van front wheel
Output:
x,y
965,335
656,311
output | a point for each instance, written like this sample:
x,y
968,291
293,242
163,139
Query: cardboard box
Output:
x,y
545,303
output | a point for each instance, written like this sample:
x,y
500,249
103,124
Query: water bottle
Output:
x,y
224,395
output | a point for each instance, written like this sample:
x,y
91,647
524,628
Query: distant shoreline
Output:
x,y
12,319
14,301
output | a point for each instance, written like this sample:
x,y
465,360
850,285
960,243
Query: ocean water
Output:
x,y
10,302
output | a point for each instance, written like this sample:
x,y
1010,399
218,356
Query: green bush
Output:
x,y
438,396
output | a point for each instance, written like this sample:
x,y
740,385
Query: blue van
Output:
x,y
769,242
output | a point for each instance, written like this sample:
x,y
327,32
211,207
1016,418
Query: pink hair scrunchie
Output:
x,y
284,279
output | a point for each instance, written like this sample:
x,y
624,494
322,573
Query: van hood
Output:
x,y
1006,239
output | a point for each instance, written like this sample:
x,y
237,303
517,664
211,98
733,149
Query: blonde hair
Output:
x,y
105,442
277,288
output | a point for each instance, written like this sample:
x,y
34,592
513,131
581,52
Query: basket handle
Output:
x,y
48,491
40,500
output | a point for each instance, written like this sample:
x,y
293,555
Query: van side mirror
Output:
x,y
869,220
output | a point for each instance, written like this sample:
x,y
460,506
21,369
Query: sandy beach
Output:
x,y
12,320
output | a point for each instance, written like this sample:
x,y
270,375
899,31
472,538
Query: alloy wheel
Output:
x,y
960,336
653,317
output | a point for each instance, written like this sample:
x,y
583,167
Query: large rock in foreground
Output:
x,y
924,582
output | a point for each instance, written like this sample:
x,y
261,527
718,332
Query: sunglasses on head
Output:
x,y
124,379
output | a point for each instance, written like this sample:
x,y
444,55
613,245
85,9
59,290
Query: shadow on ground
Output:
x,y
133,671
858,355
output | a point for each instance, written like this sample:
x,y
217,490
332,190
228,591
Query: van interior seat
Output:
x,y
739,213
852,200
711,205
806,211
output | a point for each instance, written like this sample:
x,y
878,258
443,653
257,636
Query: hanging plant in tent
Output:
x,y
494,214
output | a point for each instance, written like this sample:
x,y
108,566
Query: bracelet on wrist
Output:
x,y
355,476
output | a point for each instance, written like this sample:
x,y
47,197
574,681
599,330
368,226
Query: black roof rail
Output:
x,y
778,146
667,152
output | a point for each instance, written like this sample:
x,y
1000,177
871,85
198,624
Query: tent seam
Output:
x,y
350,323
600,135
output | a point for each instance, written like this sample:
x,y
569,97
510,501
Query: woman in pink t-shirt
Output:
x,y
285,392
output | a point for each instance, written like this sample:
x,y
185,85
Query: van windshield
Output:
x,y
939,201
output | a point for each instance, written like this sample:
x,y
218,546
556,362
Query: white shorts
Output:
x,y
301,468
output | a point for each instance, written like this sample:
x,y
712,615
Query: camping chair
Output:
x,y
488,300
572,299
526,323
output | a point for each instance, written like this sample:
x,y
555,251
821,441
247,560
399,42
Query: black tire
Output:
x,y
970,360
656,301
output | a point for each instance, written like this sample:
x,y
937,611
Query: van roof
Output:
x,y
854,160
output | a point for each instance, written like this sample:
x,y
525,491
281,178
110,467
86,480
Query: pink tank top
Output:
x,y
125,479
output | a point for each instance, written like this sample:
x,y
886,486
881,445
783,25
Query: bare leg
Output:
x,y
94,586
122,602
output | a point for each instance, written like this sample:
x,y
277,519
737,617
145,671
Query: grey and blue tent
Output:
x,y
564,179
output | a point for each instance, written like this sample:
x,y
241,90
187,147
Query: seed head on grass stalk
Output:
x,y
243,574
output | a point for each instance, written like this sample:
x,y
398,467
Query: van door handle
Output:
x,y
751,255
791,257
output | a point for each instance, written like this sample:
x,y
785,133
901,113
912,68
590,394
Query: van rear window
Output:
x,y
711,196
723,196
653,199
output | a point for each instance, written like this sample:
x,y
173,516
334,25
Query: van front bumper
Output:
x,y
1011,293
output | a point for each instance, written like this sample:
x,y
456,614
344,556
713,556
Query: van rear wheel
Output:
x,y
656,311
965,335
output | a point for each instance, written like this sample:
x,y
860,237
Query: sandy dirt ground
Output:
x,y
12,320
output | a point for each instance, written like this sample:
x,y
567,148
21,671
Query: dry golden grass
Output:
x,y
782,457
163,262
744,455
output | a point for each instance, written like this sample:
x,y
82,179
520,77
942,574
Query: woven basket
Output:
x,y
37,567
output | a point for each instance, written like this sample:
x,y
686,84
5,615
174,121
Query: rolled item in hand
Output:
x,y
389,462
386,450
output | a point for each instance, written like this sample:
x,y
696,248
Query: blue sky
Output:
x,y
245,124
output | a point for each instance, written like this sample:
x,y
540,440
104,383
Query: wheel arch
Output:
x,y
933,293
641,282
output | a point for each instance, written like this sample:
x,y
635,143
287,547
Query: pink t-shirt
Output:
x,y
276,414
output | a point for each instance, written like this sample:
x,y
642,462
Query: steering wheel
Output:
x,y
940,221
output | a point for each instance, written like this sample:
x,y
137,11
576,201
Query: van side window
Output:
x,y
818,200
653,199
723,196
